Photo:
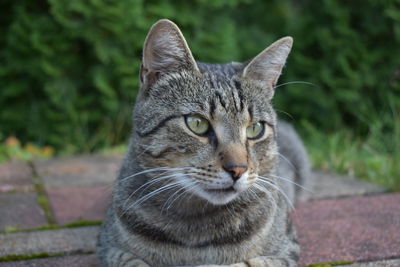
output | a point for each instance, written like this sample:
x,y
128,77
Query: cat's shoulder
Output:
x,y
288,139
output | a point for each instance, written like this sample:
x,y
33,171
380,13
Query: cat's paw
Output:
x,y
136,263
270,262
241,264
116,257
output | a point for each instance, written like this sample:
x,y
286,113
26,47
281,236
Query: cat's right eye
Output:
x,y
197,124
255,131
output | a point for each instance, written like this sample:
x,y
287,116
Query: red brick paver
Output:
x,y
76,203
20,209
86,170
67,240
357,229
383,263
15,176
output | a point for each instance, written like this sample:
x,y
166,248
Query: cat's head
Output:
x,y
211,127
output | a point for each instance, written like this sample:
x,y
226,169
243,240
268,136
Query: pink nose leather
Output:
x,y
235,170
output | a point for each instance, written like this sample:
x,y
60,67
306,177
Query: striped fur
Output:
x,y
175,203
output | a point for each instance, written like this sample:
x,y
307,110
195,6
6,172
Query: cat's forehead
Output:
x,y
226,70
222,86
218,88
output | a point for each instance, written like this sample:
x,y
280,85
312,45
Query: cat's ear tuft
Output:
x,y
267,66
165,51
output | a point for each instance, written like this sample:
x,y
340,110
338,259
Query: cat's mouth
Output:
x,y
221,190
219,196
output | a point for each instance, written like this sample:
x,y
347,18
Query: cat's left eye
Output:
x,y
255,131
197,124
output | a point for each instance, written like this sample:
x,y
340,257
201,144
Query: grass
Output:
x,y
12,149
371,159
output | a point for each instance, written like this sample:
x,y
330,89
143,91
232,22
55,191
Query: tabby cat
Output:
x,y
210,173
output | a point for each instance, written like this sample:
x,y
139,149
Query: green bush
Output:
x,y
69,68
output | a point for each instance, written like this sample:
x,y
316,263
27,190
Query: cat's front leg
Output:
x,y
118,258
262,261
241,264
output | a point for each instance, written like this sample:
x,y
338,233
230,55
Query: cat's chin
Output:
x,y
222,196
218,196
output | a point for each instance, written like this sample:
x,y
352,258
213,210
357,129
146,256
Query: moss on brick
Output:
x,y
330,264
79,223
43,200
11,229
16,257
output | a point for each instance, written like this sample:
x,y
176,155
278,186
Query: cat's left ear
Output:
x,y
267,66
165,51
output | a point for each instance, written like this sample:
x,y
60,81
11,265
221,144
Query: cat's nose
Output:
x,y
234,170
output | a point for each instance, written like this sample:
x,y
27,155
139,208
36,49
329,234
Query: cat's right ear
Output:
x,y
165,51
267,66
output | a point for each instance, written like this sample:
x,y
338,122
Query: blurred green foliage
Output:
x,y
69,68
11,149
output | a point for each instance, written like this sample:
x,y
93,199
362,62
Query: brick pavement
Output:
x,y
20,209
70,261
15,176
346,220
356,229
77,203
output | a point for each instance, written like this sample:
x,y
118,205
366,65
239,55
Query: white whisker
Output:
x,y
250,191
149,183
287,180
172,196
287,160
294,82
154,170
266,181
284,112
265,190
187,189
153,193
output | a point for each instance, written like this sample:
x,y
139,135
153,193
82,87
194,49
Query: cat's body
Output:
x,y
198,185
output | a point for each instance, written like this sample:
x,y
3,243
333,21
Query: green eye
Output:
x,y
255,130
197,124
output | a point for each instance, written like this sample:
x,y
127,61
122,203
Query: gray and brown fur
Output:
x,y
202,214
